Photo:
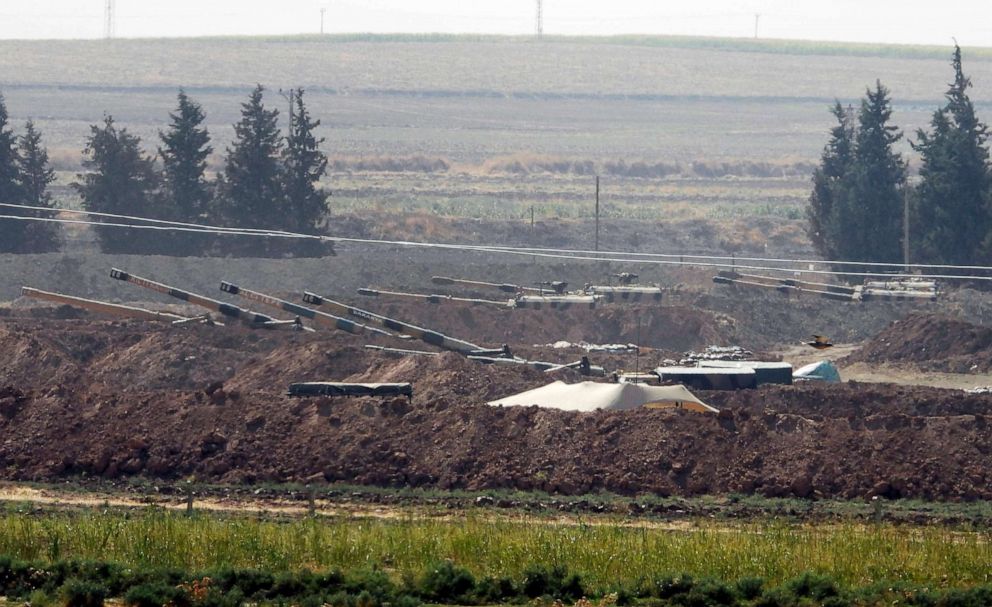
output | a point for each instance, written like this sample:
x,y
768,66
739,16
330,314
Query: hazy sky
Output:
x,y
898,21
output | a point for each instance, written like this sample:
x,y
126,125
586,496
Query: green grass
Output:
x,y
604,553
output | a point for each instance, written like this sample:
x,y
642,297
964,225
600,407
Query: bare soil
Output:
x,y
86,397
931,342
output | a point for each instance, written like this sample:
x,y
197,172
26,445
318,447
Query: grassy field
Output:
x,y
603,551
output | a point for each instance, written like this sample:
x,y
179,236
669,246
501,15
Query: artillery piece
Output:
x,y
553,293
425,335
530,297
317,317
252,319
433,298
627,289
104,307
501,355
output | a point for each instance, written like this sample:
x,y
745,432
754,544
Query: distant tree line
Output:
x,y
269,182
24,179
860,189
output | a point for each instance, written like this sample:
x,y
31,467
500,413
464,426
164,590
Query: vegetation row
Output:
x,y
863,206
269,182
90,583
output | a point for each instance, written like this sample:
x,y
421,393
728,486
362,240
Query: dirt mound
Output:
x,y
933,342
770,442
114,399
670,327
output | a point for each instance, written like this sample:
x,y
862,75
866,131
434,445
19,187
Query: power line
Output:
x,y
665,259
677,257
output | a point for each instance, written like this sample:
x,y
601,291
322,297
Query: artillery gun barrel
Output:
x,y
582,366
631,293
556,302
400,351
317,317
432,298
101,306
246,316
505,287
431,337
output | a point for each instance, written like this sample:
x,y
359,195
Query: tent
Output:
x,y
823,370
590,396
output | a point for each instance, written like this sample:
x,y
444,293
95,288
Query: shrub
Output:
x,y
82,593
40,598
813,585
776,597
556,583
490,590
371,585
668,587
446,583
749,588
250,582
156,594
707,593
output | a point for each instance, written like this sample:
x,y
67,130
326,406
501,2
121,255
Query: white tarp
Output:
x,y
823,370
590,396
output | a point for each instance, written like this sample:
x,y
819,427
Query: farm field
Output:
x,y
487,128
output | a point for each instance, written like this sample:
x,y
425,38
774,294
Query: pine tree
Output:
x,y
304,165
856,205
870,211
10,189
252,175
184,152
11,230
121,179
35,176
828,179
951,215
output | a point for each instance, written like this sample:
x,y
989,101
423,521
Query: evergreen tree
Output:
x,y
252,175
35,176
11,230
869,216
35,173
856,206
828,180
184,152
951,215
304,165
10,189
121,179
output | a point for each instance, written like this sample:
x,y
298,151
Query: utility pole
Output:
x,y
905,228
289,97
597,212
540,19
108,20
756,17
322,11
